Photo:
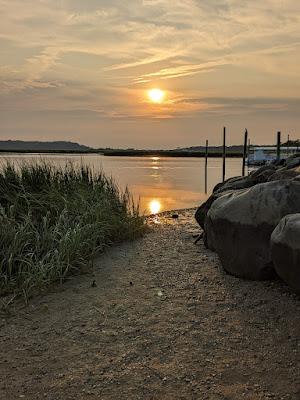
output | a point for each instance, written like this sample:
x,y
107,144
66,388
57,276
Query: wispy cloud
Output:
x,y
181,71
104,54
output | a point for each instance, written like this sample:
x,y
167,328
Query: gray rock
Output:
x,y
236,183
293,161
259,175
285,173
202,210
285,250
230,181
262,174
239,225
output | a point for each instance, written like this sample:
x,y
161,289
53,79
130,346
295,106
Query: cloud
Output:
x,y
181,70
244,105
210,55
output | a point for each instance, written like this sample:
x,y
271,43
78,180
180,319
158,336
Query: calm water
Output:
x,y
161,183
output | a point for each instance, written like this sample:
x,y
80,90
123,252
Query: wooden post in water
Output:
x,y
224,153
245,151
278,145
288,145
206,156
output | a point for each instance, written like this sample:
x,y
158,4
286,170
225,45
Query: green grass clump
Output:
x,y
54,220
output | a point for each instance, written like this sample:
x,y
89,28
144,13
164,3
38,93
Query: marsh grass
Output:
x,y
53,221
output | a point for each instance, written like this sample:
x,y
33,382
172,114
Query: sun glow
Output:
x,y
156,95
154,206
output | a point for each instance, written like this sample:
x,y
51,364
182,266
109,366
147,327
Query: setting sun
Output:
x,y
156,95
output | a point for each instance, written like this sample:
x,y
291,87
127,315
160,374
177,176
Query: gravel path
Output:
x,y
162,322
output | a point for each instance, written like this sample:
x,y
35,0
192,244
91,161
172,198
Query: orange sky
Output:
x,y
80,70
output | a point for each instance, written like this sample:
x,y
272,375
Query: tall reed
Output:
x,y
54,220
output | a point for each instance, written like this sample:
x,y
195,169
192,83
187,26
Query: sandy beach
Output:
x,y
157,319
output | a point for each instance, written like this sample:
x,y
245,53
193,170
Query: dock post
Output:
x,y
206,156
245,151
278,145
288,145
224,153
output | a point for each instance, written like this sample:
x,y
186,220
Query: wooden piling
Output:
x,y
278,145
224,154
245,151
206,157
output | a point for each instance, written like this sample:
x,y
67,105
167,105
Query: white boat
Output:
x,y
259,155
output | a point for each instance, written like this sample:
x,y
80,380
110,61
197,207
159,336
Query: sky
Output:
x,y
80,70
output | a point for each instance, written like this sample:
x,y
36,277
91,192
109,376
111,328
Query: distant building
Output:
x,y
259,155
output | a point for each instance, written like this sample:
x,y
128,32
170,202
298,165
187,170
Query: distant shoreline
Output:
x,y
130,153
6,151
169,153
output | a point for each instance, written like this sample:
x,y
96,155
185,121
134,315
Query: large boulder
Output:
x,y
285,173
235,183
259,175
202,210
285,250
293,161
263,174
239,225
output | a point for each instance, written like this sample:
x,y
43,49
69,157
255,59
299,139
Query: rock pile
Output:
x,y
253,223
285,250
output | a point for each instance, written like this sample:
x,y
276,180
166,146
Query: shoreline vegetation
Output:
x,y
54,220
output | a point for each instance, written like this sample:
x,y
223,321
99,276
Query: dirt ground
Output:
x,y
163,322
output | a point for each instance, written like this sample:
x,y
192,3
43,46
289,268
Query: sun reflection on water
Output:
x,y
154,206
